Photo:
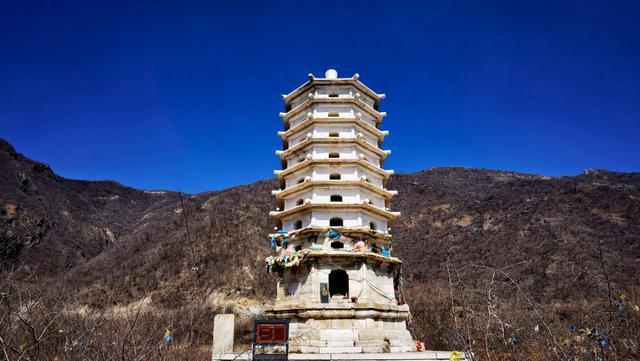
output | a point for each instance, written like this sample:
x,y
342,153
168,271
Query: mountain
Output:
x,y
482,249
56,223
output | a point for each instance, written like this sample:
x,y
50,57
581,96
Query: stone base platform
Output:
x,y
402,356
342,328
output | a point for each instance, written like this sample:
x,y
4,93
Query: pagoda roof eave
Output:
x,y
362,105
387,194
311,121
324,81
390,216
311,141
332,162
346,254
347,231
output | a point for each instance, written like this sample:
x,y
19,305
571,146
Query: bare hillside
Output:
x,y
481,248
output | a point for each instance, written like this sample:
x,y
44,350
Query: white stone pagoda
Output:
x,y
339,285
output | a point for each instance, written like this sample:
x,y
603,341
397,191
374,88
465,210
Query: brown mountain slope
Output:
x,y
57,223
566,244
557,226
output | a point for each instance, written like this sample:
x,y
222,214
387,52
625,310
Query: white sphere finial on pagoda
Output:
x,y
331,74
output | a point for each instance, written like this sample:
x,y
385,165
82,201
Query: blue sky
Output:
x,y
185,95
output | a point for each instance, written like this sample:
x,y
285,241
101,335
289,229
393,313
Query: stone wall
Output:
x,y
349,336
367,282
322,218
349,195
322,173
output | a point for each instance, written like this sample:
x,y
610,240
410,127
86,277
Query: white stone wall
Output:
x,y
294,179
297,138
300,99
367,100
349,195
349,173
296,159
293,200
366,283
296,287
344,130
340,91
323,195
322,152
352,269
367,335
368,118
345,152
380,283
379,223
367,137
317,172
324,110
321,218
297,119
352,173
289,222
322,130
324,92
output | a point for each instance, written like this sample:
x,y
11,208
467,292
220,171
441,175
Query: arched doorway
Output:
x,y
338,283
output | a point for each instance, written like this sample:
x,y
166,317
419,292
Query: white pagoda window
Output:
x,y
297,225
334,114
300,202
334,134
334,176
372,225
334,155
336,222
336,198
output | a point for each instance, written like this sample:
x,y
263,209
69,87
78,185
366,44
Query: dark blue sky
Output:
x,y
185,96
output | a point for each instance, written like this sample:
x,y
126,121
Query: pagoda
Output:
x,y
338,283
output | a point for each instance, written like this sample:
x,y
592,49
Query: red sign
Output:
x,y
271,333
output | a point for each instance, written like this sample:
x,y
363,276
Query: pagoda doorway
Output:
x,y
338,283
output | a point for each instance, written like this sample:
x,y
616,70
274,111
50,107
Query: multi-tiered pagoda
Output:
x,y
339,285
